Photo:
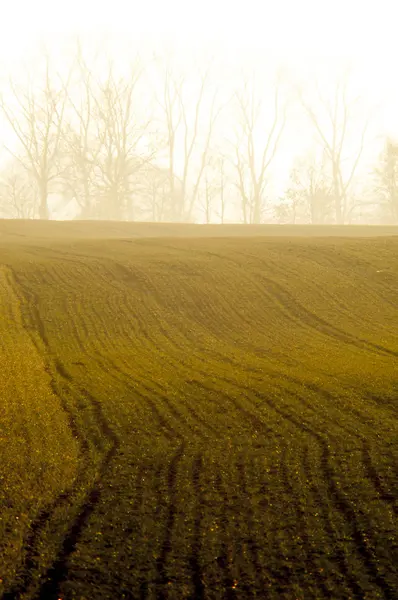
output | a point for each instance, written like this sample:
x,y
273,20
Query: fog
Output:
x,y
203,113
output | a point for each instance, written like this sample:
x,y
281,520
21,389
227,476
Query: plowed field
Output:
x,y
201,418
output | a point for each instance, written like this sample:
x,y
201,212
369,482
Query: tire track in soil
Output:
x,y
169,432
46,514
340,502
174,412
63,283
313,321
252,418
346,510
61,371
187,407
58,572
249,415
311,548
143,581
179,417
344,507
305,428
136,526
194,559
344,310
374,476
392,414
303,315
250,517
342,269
341,559
370,471
224,556
166,547
294,317
264,399
174,363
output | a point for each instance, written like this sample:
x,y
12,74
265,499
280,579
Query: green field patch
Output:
x,y
198,418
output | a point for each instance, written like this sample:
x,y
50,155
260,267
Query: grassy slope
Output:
x,y
39,456
233,405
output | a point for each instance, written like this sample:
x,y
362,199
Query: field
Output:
x,y
186,413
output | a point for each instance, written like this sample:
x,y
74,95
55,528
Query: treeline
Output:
x,y
163,139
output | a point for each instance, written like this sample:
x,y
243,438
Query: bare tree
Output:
x,y
222,180
153,191
82,145
309,197
333,134
255,145
107,138
18,197
213,193
36,116
386,179
190,112
121,130
170,107
206,196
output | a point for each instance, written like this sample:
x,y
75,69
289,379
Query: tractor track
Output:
x,y
58,572
282,439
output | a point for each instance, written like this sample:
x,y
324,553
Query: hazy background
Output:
x,y
311,46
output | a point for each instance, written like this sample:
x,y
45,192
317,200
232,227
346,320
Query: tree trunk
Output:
x,y
43,198
337,197
257,208
88,209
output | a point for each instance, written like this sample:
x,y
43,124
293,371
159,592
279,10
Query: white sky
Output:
x,y
304,32
363,30
336,27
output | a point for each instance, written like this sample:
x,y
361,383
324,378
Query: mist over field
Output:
x,y
163,118
198,301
